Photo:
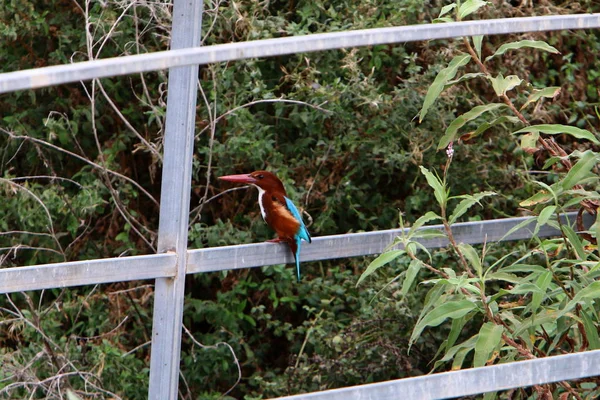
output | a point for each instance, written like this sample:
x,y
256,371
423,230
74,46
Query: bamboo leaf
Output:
x,y
489,337
379,262
544,217
502,85
538,198
468,202
440,81
557,129
535,44
450,134
465,77
549,92
469,7
452,309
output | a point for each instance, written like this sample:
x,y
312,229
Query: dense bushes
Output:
x,y
338,127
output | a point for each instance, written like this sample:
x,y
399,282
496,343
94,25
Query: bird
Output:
x,y
277,210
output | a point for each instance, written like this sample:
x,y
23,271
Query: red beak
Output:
x,y
243,178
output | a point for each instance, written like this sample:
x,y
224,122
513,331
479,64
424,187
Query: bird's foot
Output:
x,y
276,240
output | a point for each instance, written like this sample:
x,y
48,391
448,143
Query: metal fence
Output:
x,y
174,260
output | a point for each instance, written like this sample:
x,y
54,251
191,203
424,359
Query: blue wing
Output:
x,y
301,234
302,231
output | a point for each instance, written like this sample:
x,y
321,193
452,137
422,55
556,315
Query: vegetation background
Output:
x,y
81,180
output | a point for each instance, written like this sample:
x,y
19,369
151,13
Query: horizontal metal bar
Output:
x,y
59,74
77,273
471,381
353,244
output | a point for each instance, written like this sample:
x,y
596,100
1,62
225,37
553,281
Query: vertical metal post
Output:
x,y
175,203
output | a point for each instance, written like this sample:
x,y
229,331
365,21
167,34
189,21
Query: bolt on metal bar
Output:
x,y
470,381
59,275
175,204
59,74
358,244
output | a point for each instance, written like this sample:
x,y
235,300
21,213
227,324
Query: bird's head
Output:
x,y
263,179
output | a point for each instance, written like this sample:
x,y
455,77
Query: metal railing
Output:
x,y
175,260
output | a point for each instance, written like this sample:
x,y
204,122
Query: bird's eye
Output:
x,y
261,176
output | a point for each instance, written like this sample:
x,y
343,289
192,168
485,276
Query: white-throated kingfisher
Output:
x,y
278,211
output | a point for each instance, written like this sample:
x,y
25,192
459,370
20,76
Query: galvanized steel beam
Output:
x,y
470,381
59,74
356,244
59,275
175,203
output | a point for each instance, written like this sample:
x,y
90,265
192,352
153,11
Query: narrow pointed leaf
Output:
x,y
436,184
466,204
535,44
538,198
581,170
484,126
452,309
469,7
450,134
591,330
489,337
557,129
477,41
440,81
543,282
549,92
472,257
464,77
575,241
422,220
446,9
411,274
379,262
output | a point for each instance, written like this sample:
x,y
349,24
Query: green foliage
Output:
x,y
81,180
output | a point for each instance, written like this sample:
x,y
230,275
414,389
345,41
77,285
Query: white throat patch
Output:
x,y
261,193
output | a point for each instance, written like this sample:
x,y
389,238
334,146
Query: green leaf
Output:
x,y
529,142
516,228
502,85
436,184
468,202
465,77
452,309
590,292
446,9
542,282
489,337
549,92
591,330
477,41
411,274
450,134
472,257
469,7
581,170
538,198
379,262
575,241
557,129
440,81
422,220
484,126
536,44
544,217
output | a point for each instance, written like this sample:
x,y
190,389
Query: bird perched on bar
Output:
x,y
278,211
